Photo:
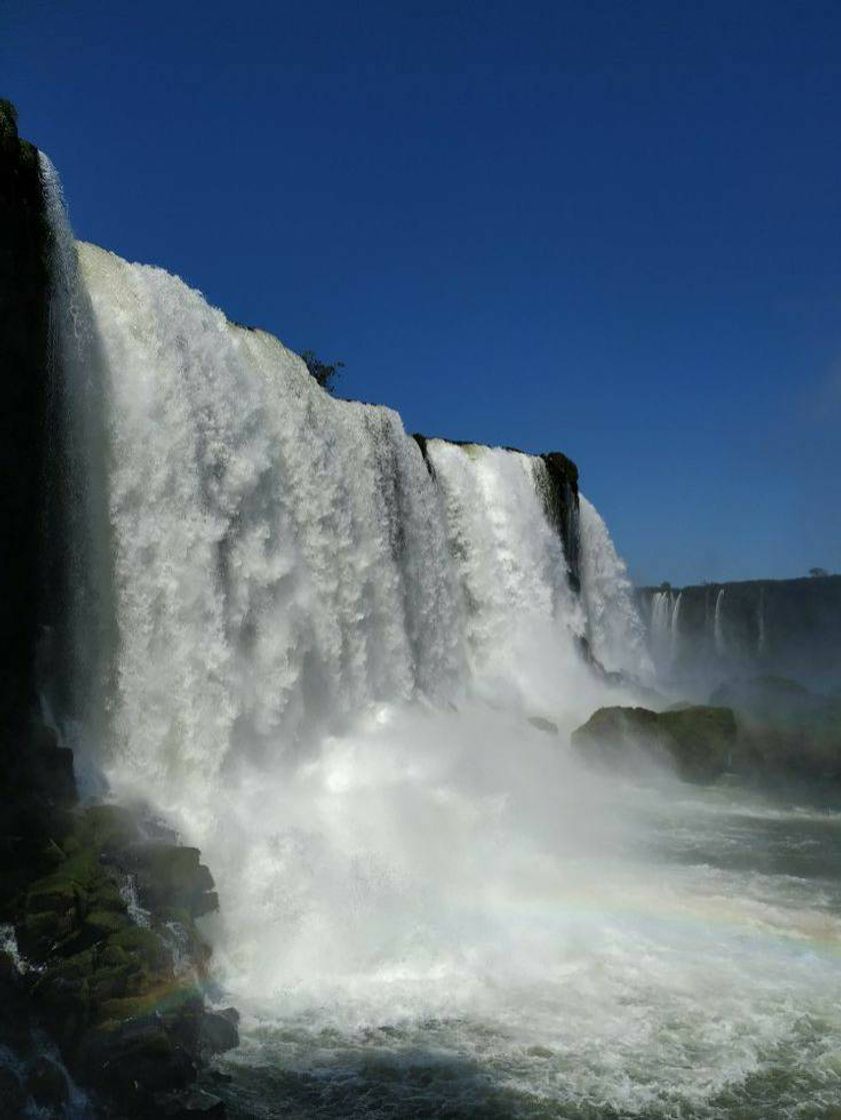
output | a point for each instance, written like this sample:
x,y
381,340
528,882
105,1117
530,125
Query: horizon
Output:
x,y
632,214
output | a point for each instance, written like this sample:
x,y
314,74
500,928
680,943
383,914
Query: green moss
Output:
x,y
102,923
55,893
105,895
697,740
142,944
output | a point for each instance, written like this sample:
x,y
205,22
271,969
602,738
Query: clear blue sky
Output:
x,y
612,229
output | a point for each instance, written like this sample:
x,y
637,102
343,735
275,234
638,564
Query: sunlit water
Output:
x,y
666,952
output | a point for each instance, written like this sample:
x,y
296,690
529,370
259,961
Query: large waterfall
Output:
x,y
345,662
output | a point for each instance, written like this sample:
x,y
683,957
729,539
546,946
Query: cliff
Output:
x,y
713,631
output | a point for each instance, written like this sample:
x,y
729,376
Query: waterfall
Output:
x,y
312,649
718,624
278,561
675,627
662,603
614,627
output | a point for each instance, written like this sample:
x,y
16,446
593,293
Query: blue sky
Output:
x,y
609,228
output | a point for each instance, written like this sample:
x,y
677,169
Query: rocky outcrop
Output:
x,y
696,741
24,255
111,960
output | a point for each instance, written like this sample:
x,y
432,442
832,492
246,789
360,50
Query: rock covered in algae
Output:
x,y
697,741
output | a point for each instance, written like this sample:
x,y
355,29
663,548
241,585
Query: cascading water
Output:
x,y
614,628
662,605
718,624
675,627
319,657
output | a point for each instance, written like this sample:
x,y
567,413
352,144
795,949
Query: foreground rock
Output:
x,y
115,963
697,742
100,950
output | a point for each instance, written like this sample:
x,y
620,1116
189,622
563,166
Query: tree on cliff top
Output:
x,y
325,373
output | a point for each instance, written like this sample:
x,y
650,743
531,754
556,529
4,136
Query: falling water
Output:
x,y
718,624
320,657
675,627
662,604
614,627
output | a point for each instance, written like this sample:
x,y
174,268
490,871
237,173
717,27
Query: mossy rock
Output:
x,y
169,1000
171,877
105,895
107,827
38,934
114,983
78,967
57,893
143,945
696,741
102,923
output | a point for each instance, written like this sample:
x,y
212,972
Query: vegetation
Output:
x,y
325,373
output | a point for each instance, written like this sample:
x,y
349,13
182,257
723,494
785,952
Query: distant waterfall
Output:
x,y
675,627
662,604
718,624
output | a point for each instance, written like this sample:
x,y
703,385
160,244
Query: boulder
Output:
x,y
697,742
12,1095
190,1104
218,1031
46,1083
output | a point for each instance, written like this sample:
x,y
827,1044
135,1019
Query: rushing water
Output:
x,y
690,967
349,674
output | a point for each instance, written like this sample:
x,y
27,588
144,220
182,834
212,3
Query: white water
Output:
x,y
718,624
614,627
322,662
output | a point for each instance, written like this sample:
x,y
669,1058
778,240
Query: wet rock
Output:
x,y
169,876
697,741
218,1031
12,1095
137,1059
46,1083
193,1103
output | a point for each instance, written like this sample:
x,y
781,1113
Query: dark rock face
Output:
x,y
24,254
562,507
697,741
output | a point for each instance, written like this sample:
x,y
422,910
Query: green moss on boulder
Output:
x,y
697,741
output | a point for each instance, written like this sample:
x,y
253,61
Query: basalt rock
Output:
x,y
697,742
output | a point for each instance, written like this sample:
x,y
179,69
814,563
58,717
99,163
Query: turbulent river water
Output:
x,y
346,666
683,961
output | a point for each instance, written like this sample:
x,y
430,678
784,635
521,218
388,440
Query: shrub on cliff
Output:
x,y
325,373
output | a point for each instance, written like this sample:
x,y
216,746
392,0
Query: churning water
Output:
x,y
319,654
